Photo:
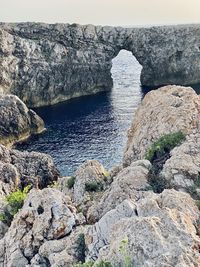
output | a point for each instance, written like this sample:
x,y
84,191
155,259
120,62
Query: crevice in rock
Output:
x,y
47,262
40,210
136,212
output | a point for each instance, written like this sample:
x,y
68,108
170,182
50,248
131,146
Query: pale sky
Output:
x,y
102,12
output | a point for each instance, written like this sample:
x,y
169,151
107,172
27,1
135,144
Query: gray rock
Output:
x,y
130,183
162,233
182,169
46,215
48,63
17,122
90,172
18,169
166,110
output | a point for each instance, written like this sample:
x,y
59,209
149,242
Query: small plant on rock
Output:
x,y
93,264
71,182
15,201
93,186
156,181
157,154
81,248
123,251
164,145
55,185
198,204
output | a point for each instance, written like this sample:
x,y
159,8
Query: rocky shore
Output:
x,y
17,122
45,64
142,213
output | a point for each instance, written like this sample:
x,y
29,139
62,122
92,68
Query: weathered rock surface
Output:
x,y
17,122
23,168
46,64
90,172
182,169
161,230
166,110
130,183
46,216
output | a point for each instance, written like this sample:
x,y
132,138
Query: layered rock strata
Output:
x,y
17,122
19,169
48,63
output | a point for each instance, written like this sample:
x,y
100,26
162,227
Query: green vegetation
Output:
x,y
156,181
54,185
123,251
192,190
15,201
198,204
163,145
157,154
93,264
81,248
93,186
81,251
71,182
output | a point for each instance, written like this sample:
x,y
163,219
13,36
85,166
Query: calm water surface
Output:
x,y
92,127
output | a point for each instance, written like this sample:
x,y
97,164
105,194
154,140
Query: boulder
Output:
x,y
130,183
18,169
17,122
89,182
182,169
90,172
47,215
160,231
166,110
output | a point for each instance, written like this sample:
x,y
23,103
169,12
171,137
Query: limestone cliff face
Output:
x,y
17,122
48,63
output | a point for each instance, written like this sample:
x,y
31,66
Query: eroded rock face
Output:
x,y
46,215
46,64
166,110
18,169
130,183
182,169
153,229
90,182
90,172
17,122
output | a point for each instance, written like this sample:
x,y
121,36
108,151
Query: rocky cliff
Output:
x,y
17,122
116,217
46,64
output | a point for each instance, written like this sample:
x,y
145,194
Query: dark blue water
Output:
x,y
92,127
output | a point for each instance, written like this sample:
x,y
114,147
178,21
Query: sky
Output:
x,y
102,12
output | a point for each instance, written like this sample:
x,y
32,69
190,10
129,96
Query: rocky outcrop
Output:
x,y
46,64
116,216
18,169
146,232
130,183
182,169
17,122
86,186
90,173
166,110
47,215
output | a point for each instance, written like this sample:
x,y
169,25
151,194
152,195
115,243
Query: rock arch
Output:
x,y
48,63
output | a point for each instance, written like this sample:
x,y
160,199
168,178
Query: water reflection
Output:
x,y
92,127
